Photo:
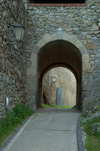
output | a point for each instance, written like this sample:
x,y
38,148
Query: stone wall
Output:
x,y
64,78
16,61
81,21
12,57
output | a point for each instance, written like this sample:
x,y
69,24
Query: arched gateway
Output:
x,y
57,50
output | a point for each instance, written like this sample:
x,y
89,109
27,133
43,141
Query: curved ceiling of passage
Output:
x,y
59,53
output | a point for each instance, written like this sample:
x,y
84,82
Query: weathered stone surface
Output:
x,y
86,66
91,46
60,77
41,43
32,71
86,58
12,57
79,22
94,27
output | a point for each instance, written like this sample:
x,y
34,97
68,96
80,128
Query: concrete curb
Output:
x,y
17,133
79,136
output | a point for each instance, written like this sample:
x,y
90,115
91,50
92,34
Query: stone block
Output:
x,y
66,37
46,38
35,49
78,44
85,58
34,64
31,84
86,66
73,39
83,50
94,28
32,71
41,43
17,71
32,102
60,35
53,37
91,46
33,57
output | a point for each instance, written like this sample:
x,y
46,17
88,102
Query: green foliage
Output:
x,y
90,123
13,119
55,106
68,107
92,143
87,128
45,105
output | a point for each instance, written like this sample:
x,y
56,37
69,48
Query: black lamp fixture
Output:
x,y
18,31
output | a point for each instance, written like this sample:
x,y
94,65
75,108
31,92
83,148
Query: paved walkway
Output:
x,y
48,130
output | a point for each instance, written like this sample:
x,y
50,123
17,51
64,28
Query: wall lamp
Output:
x,y
18,31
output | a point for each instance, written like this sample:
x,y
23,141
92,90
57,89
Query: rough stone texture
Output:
x,y
79,21
66,23
64,78
12,57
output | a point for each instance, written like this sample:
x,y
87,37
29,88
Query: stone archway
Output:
x,y
59,49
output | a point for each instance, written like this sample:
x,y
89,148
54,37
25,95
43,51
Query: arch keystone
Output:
x,y
60,35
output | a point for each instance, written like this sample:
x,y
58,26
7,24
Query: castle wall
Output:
x,y
12,57
81,21
18,63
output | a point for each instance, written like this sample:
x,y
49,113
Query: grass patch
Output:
x,y
45,105
56,106
92,143
13,119
67,107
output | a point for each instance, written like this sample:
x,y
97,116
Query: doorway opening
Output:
x,y
59,53
63,79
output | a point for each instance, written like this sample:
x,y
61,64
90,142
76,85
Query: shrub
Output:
x,y
13,119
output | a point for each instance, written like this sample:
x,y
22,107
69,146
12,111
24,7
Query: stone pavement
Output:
x,y
49,130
